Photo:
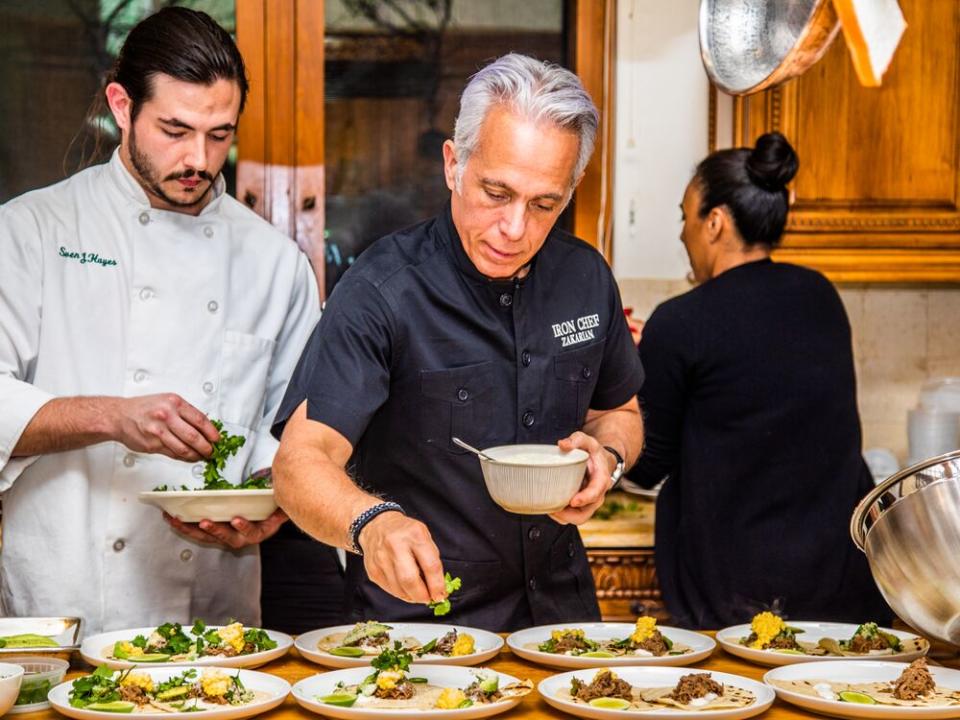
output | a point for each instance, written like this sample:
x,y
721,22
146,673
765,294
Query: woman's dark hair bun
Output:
x,y
772,163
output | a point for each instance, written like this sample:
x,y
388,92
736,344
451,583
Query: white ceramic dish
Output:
x,y
215,505
307,690
487,644
96,650
861,671
533,479
654,677
701,645
276,690
729,639
11,675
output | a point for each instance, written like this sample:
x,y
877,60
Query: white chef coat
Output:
x,y
100,294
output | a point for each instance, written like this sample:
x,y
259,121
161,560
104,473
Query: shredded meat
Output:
x,y
693,686
861,644
215,699
445,644
403,691
223,650
132,693
571,642
655,644
914,681
474,692
603,685
783,642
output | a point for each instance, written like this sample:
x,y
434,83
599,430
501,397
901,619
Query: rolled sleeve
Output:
x,y
21,282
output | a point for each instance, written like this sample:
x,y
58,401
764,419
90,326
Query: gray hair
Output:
x,y
536,90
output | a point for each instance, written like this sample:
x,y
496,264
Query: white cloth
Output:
x,y
102,295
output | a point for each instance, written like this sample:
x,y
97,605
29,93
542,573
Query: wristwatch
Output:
x,y
618,470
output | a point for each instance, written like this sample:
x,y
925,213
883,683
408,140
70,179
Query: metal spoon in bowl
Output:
x,y
471,448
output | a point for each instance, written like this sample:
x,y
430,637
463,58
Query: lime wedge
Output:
x,y
149,657
345,651
856,697
598,654
788,651
610,703
117,706
341,699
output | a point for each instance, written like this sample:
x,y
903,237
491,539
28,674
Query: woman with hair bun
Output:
x,y
750,404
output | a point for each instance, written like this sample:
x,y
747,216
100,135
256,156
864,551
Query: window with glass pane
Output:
x,y
54,55
394,70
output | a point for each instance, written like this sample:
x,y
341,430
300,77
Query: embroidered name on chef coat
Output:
x,y
85,257
576,331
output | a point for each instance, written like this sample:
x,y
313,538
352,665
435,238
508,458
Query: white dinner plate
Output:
x,y
276,690
701,645
216,505
655,677
309,689
96,650
487,644
861,671
729,639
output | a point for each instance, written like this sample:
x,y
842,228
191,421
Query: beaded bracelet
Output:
x,y
360,522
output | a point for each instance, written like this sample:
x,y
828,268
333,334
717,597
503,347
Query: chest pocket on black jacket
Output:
x,y
457,402
576,373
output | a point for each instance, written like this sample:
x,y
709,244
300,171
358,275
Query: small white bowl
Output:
x,y
38,670
11,675
533,479
216,505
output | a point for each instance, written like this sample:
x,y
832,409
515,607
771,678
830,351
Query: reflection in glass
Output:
x,y
392,80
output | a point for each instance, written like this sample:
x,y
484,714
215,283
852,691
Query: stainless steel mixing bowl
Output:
x,y
749,45
909,527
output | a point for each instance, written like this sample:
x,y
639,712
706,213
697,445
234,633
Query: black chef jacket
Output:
x,y
416,346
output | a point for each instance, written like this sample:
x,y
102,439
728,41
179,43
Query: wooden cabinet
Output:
x,y
877,197
626,581
620,551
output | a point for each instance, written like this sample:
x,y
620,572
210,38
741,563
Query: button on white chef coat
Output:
x,y
73,321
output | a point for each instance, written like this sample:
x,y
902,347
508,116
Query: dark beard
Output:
x,y
148,176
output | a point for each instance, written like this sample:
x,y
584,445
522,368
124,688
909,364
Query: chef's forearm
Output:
x,y
620,428
68,424
311,485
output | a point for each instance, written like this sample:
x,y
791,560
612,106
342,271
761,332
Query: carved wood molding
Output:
x,y
624,574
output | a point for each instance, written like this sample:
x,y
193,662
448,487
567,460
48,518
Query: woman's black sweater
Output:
x,y
750,407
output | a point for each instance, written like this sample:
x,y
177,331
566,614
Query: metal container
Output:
x,y
750,45
65,631
909,527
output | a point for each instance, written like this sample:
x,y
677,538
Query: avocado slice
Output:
x,y
365,630
174,692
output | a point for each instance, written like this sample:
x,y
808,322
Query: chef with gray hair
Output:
x,y
488,323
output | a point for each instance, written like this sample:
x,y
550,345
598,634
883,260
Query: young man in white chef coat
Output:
x,y
138,300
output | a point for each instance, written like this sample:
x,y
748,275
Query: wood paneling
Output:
x,y
593,60
877,197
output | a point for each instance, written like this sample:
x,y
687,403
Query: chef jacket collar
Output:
x,y
132,190
463,262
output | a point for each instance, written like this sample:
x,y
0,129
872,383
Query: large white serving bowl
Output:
x,y
307,690
487,644
655,677
216,505
729,639
275,689
701,645
533,479
861,671
96,650
11,675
